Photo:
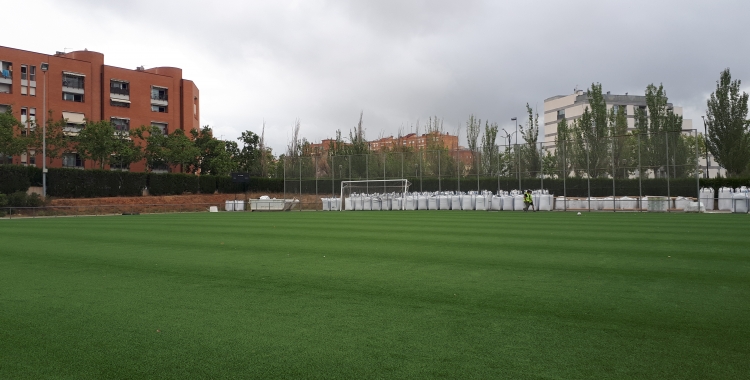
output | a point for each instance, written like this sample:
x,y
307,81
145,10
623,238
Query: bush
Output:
x,y
172,184
3,200
14,178
75,183
207,184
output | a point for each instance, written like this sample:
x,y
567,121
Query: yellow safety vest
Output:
x,y
528,198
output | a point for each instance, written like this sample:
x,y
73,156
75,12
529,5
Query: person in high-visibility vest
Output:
x,y
528,200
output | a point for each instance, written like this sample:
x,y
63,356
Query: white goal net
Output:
x,y
376,195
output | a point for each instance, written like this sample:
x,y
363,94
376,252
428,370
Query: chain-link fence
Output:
x,y
623,170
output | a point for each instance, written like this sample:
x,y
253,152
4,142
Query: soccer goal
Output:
x,y
376,194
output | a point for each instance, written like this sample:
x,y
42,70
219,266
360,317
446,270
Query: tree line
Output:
x,y
102,143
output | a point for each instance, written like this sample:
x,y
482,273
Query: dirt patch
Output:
x,y
217,199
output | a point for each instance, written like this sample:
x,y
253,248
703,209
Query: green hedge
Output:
x,y
76,183
172,184
207,184
14,178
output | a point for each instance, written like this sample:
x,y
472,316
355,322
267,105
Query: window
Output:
x,y
120,124
116,164
6,70
72,160
158,93
119,87
32,73
560,114
162,127
71,80
32,158
156,108
24,115
4,108
32,114
73,97
24,72
119,103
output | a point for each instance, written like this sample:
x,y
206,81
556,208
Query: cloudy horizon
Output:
x,y
398,62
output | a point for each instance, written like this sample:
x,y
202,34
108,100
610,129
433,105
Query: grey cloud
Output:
x,y
400,61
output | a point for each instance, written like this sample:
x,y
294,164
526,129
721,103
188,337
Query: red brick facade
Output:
x,y
79,84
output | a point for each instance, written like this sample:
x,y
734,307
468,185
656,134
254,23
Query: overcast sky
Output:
x,y
398,61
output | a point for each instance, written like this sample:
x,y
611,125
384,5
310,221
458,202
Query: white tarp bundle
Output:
x,y
707,198
725,199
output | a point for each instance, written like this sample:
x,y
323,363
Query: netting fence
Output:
x,y
634,166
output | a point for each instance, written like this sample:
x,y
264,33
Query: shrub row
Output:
x,y
73,183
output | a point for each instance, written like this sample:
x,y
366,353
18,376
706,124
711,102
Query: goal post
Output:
x,y
382,189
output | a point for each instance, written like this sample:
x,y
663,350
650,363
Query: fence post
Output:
x,y
421,159
283,164
300,159
669,197
588,174
440,185
458,168
640,176
541,165
518,168
367,171
565,175
498,170
697,169
614,171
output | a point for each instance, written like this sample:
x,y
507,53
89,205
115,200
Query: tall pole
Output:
x,y
44,133
705,142
666,143
614,170
697,166
640,176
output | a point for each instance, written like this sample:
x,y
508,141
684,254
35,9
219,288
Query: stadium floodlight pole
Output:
x,y
705,142
44,67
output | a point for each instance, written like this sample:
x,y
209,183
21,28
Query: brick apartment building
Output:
x,y
78,86
412,140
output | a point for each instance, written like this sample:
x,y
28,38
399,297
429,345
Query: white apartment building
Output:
x,y
571,108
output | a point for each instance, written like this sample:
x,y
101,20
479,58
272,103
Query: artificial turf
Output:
x,y
376,295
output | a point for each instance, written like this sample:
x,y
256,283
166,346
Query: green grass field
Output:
x,y
376,295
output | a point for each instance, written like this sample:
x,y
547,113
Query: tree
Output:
x,y
530,153
619,139
181,150
213,156
728,127
489,148
11,141
473,129
57,142
563,156
97,142
126,152
156,150
247,157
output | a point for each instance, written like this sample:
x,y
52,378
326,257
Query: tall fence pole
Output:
x,y
367,172
498,170
640,176
697,169
458,168
541,165
588,174
478,161
565,175
283,164
518,167
421,168
384,164
669,195
440,185
299,160
315,167
333,175
614,171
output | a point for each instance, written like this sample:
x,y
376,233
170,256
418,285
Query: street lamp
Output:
x,y
516,120
44,66
705,142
